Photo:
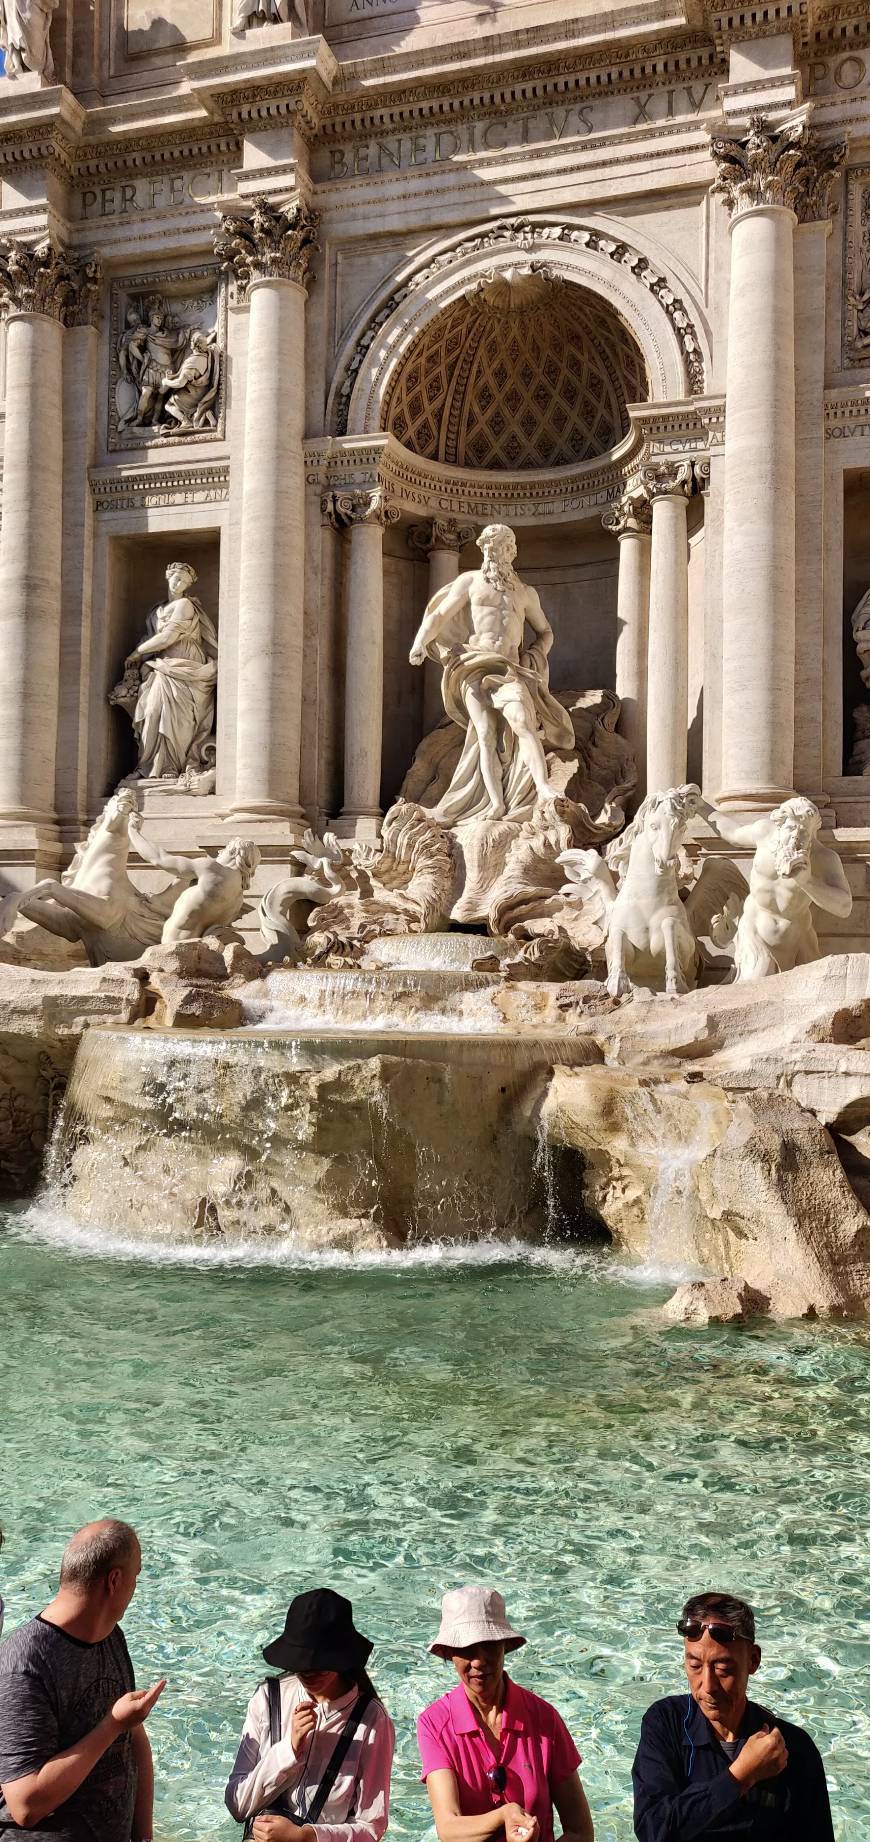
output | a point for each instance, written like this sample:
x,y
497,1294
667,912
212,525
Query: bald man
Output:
x,y
75,1762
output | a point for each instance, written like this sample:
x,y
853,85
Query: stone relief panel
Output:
x,y
856,280
168,340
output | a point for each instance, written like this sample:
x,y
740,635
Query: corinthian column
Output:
x,y
631,522
41,291
441,541
668,486
366,514
765,178
268,255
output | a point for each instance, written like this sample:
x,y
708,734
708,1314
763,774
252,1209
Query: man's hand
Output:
x,y
302,1725
417,655
130,1710
765,1755
519,1826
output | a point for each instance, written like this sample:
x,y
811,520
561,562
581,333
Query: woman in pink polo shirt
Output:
x,y
495,1757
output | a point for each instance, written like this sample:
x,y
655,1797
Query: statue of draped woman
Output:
x,y
168,687
24,36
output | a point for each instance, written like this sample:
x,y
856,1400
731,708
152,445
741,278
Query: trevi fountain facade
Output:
x,y
435,628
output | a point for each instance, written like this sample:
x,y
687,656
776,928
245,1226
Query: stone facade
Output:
x,y
308,303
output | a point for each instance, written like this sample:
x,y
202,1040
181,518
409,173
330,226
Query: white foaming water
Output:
x,y
43,1220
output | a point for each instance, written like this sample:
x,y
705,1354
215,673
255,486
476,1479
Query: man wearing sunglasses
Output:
x,y
712,1763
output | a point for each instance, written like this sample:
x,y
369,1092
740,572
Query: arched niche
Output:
x,y
656,309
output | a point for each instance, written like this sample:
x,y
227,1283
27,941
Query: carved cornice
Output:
x,y
631,517
440,534
789,167
679,429
667,480
364,464
270,245
118,489
40,278
355,508
577,76
847,415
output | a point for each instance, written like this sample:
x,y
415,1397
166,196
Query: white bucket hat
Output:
x,y
473,1615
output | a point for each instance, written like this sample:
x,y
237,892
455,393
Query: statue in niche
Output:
x,y
215,897
168,686
24,36
495,685
248,13
168,371
790,872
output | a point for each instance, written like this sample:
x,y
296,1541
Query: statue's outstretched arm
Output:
x,y
736,831
160,859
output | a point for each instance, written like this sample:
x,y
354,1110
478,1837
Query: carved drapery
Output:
x,y
40,278
789,167
270,245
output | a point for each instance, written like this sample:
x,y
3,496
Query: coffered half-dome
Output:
x,y
524,371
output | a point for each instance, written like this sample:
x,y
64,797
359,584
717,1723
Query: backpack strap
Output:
x,y
327,1782
273,1695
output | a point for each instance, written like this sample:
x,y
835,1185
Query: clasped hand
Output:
x,y
279,1829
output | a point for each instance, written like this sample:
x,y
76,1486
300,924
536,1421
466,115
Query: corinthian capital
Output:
x,y
767,166
665,479
440,534
366,507
39,278
269,245
629,517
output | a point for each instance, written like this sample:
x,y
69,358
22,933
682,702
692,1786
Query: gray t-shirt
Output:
x,y
53,1690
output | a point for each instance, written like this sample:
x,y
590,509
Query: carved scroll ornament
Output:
x,y
789,167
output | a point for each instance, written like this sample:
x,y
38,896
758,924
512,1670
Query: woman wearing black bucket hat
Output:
x,y
317,1750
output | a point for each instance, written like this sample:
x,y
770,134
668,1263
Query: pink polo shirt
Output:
x,y
536,1750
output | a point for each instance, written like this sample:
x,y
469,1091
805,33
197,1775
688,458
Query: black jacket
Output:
x,y
684,1791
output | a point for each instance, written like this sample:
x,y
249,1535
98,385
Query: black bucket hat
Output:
x,y
319,1633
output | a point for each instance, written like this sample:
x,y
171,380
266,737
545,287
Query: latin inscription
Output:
x,y
157,193
573,121
839,76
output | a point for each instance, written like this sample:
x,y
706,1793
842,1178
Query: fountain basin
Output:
x,y
350,1139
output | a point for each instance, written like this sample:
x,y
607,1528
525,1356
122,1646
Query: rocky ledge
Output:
x,y
725,1132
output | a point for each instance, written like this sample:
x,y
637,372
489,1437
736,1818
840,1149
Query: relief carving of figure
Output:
x,y
495,685
790,872
168,687
168,372
24,36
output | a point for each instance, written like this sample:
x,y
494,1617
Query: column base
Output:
x,y
271,817
363,825
753,799
30,848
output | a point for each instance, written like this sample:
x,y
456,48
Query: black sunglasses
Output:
x,y
497,1777
693,1628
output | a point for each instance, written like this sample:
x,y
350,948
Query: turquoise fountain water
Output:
x,y
404,1423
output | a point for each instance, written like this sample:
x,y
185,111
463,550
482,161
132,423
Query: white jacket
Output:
x,y
358,1806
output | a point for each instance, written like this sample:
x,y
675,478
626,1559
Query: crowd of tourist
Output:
x,y
316,1752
